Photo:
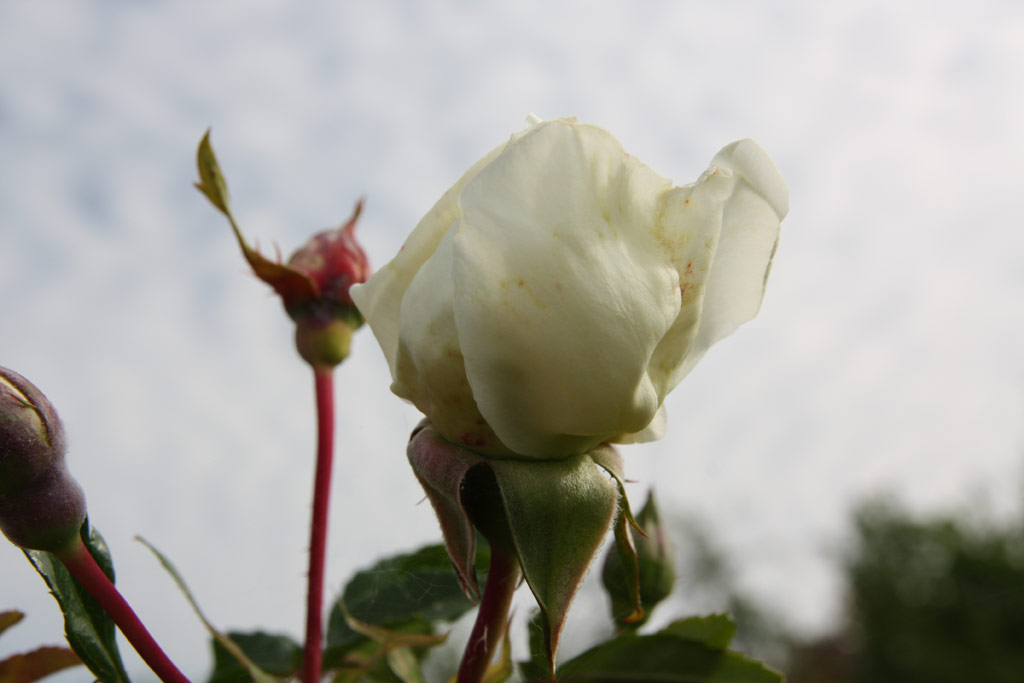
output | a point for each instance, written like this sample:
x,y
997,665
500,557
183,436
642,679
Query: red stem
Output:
x,y
83,567
311,657
491,618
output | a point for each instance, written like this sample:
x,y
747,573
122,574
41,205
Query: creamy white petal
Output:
x,y
690,225
652,432
380,298
758,200
562,290
429,370
551,299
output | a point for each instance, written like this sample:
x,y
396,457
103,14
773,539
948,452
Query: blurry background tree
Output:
x,y
937,599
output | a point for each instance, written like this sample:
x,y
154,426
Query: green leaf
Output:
x,y
405,665
255,672
714,631
36,664
371,660
294,286
211,180
406,589
89,630
275,654
536,668
416,633
558,511
9,618
663,657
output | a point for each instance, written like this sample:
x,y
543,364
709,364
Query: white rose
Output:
x,y
561,288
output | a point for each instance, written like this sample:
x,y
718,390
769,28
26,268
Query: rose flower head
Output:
x,y
314,284
555,295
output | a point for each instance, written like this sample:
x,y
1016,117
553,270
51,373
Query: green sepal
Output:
x,y
255,672
555,513
89,630
559,512
686,651
621,576
441,469
611,462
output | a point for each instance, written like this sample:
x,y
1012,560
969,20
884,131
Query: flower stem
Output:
x,y
311,658
492,617
83,567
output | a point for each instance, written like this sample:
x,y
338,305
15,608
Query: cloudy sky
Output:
x,y
886,356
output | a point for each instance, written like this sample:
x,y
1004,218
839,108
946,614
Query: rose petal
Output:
x,y
562,290
429,369
652,432
380,298
758,201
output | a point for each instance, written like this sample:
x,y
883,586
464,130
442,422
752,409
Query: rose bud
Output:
x,y
542,310
41,506
655,563
314,284
555,295
333,261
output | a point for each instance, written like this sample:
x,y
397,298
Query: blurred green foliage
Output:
x,y
937,600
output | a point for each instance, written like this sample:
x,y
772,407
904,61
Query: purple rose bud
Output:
x,y
41,506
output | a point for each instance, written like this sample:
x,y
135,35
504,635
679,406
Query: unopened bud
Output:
x,y
41,506
655,565
31,435
334,261
314,284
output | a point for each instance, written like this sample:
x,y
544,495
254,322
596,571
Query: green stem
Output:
x,y
311,658
492,617
83,567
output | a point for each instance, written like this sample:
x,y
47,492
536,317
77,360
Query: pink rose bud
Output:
x,y
314,284
334,261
